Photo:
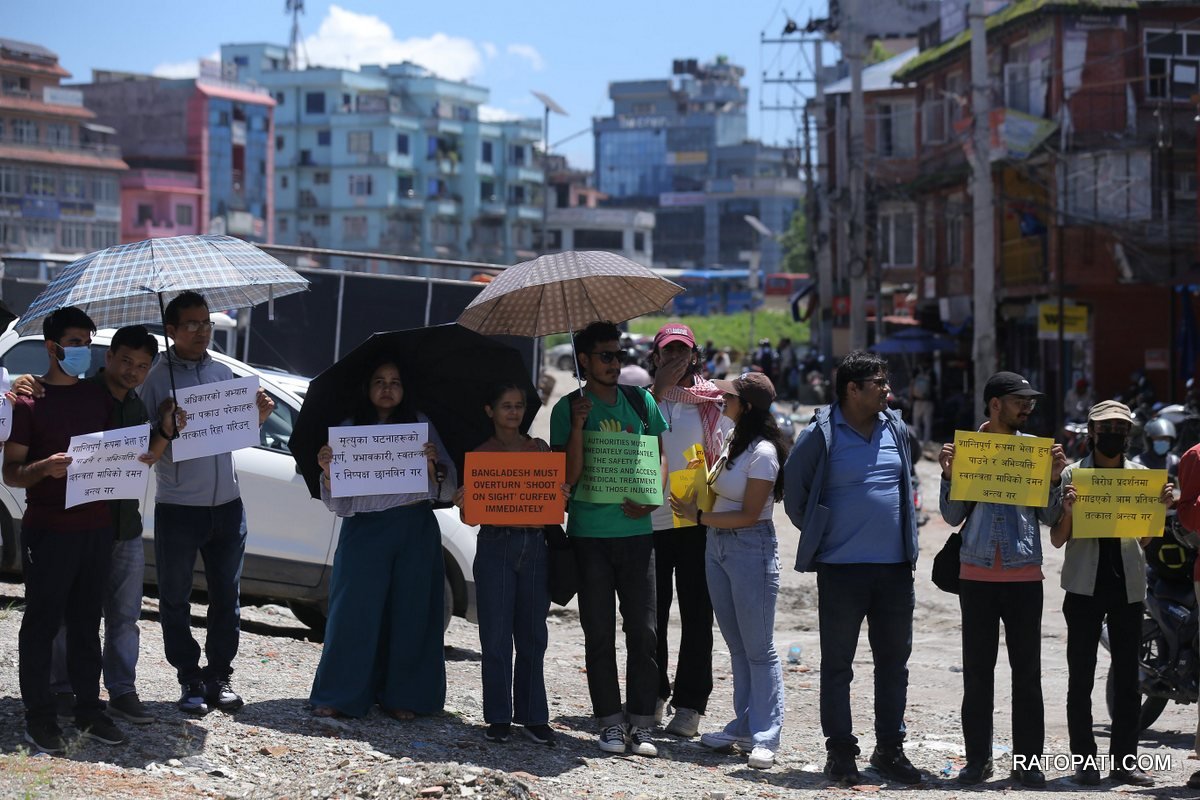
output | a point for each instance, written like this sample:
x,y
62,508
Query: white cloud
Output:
x,y
494,114
347,39
529,53
489,49
183,69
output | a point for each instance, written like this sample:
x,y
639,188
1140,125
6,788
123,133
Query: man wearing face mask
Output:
x,y
65,552
1105,582
1160,438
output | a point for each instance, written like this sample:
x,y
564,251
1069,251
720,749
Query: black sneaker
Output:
x,y
45,736
975,772
64,707
894,765
101,729
840,767
542,734
191,699
218,693
128,707
498,732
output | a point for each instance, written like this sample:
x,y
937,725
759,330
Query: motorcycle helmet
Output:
x,y
1159,427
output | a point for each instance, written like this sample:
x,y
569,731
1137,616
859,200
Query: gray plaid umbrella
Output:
x,y
127,284
563,292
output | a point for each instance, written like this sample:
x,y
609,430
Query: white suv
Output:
x,y
291,537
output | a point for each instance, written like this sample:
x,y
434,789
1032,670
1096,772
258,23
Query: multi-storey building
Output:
x,y
679,146
577,222
395,159
58,167
201,150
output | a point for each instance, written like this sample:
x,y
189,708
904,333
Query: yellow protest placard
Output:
x,y
999,468
1118,502
683,483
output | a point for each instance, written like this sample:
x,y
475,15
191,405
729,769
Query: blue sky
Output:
x,y
568,49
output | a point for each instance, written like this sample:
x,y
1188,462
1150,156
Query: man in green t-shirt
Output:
x,y
614,545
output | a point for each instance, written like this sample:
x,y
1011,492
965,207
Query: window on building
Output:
x,y
9,231
354,228
104,190
402,143
486,154
74,186
41,234
14,84
404,185
321,220
1109,186
643,108
145,213
933,120
306,159
283,181
639,242
894,131
324,137
279,142
431,187
10,180
360,185
183,215
58,135
104,234
358,142
516,195
347,102
314,102
320,178
897,238
954,235
24,131
223,119
279,98
487,191
242,61
586,239
517,155
1172,64
281,224
41,183
74,235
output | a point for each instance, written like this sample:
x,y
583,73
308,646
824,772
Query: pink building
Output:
x,y
159,202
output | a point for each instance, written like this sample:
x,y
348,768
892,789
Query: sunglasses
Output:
x,y
609,356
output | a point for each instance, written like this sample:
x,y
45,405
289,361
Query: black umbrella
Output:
x,y
448,372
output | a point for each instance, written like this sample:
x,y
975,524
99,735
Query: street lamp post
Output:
x,y
549,105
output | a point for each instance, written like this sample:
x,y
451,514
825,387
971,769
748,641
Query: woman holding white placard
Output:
x,y
383,640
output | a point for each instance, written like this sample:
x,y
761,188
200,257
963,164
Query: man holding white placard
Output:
x,y
198,509
65,552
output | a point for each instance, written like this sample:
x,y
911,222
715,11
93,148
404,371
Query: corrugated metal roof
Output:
x,y
877,77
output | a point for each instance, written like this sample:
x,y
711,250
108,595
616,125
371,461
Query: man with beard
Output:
x,y
1001,581
614,545
692,407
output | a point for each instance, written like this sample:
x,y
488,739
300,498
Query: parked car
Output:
x,y
561,357
292,537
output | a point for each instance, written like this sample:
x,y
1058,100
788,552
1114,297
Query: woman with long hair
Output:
x,y
742,565
383,640
512,593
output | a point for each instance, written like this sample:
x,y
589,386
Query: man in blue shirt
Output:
x,y
848,487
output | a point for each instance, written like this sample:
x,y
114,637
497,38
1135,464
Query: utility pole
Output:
x,y
853,45
821,202
984,350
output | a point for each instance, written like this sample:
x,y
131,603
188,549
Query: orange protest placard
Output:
x,y
520,489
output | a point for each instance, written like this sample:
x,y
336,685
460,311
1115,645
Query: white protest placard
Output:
x,y
105,466
221,417
378,459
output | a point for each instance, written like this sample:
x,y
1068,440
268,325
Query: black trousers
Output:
x,y
679,553
610,570
1084,615
1019,606
66,574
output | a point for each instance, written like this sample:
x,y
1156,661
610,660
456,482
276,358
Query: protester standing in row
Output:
x,y
692,407
512,593
198,510
742,565
848,489
1105,584
614,545
1001,581
383,640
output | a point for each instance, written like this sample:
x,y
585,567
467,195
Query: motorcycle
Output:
x,y
1169,654
1074,439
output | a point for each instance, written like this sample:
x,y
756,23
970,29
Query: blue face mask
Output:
x,y
1161,446
75,360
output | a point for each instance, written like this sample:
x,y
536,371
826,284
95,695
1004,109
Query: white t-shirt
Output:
x,y
686,430
760,461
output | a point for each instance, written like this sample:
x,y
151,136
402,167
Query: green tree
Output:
x,y
795,244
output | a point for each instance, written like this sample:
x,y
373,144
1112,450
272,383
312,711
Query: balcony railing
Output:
x,y
104,150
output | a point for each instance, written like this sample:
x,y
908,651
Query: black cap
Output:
x,y
1005,383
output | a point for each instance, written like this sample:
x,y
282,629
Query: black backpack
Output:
x,y
637,398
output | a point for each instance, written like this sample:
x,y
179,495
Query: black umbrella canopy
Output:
x,y
448,373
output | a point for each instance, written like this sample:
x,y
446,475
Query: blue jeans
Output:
x,y
883,595
742,566
513,595
218,534
122,609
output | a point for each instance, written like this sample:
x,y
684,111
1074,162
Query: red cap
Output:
x,y
674,332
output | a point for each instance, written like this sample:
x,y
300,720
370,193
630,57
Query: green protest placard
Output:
x,y
619,466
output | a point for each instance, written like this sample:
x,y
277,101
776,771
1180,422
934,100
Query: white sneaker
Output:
x,y
720,740
762,758
640,743
612,739
685,723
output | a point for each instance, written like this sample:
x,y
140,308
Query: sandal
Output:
x,y
326,711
